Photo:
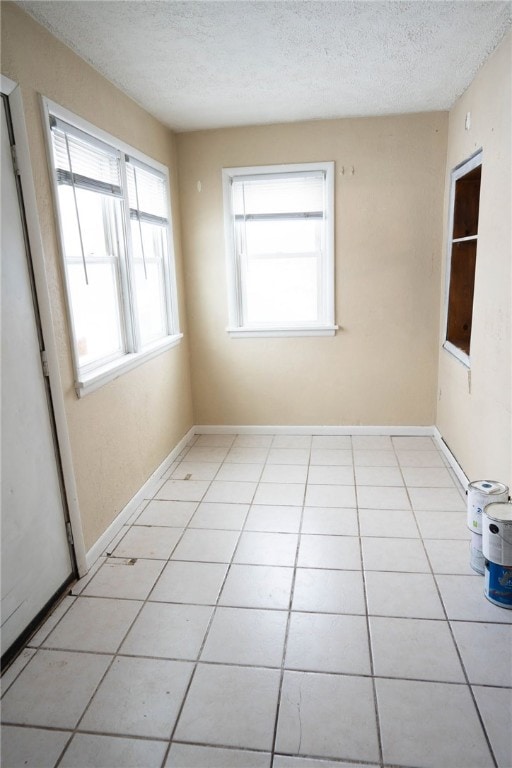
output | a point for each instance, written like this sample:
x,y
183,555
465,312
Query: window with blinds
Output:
x,y
279,237
113,215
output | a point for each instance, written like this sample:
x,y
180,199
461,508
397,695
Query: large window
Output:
x,y
279,223
461,264
113,211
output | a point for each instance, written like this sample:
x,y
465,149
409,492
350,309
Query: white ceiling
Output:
x,y
209,64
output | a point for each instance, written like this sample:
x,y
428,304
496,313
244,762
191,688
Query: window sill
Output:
x,y
88,383
251,333
461,356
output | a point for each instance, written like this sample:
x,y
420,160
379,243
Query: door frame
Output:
x,y
12,90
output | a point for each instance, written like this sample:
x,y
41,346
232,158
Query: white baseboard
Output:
x,y
409,431
144,492
454,464
228,429
147,489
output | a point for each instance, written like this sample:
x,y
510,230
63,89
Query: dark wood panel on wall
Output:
x,y
462,284
467,200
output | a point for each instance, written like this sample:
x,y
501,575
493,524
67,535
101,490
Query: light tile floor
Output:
x,y
285,601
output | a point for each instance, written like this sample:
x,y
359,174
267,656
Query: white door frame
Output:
x,y
13,91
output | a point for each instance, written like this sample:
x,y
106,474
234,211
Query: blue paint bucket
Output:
x,y
498,584
477,559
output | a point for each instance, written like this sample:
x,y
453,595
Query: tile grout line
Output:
x,y
65,649
288,620
249,666
227,747
367,619
197,661
114,656
307,670
116,653
343,762
449,627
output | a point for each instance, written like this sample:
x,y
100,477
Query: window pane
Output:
x,y
95,312
146,191
100,219
150,296
282,290
293,236
95,303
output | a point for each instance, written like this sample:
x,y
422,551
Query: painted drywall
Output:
x,y
123,431
474,408
381,367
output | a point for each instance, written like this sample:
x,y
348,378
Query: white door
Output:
x,y
36,558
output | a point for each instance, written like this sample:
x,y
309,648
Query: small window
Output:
x,y
464,208
279,224
113,211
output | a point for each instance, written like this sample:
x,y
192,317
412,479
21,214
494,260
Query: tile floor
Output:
x,y
285,601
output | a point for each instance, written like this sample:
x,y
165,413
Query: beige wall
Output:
x,y
474,409
122,432
381,367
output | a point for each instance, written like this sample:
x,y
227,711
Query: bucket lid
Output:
x,y
488,486
501,511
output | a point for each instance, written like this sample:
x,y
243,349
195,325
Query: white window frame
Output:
x,y
325,326
460,170
93,376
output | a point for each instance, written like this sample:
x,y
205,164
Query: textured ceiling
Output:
x,y
208,64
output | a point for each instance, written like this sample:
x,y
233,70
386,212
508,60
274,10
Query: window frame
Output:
x,y
325,326
460,170
92,376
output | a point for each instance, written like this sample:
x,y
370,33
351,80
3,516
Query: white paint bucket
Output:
x,y
477,559
481,493
497,533
498,584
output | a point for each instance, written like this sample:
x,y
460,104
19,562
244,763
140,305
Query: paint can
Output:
x,y
497,533
498,584
477,559
481,493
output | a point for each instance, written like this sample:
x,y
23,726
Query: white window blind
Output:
x,y
301,194
83,161
146,191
